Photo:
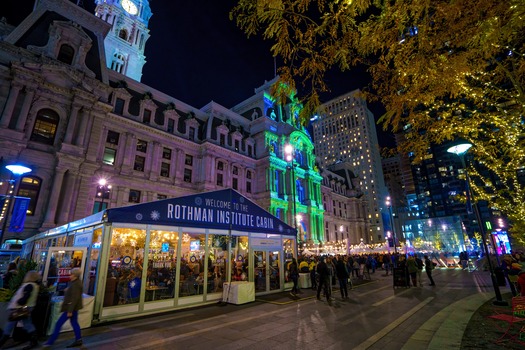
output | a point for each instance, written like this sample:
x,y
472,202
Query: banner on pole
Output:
x,y
18,217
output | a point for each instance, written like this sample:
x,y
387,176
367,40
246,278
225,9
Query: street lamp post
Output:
x,y
460,150
391,219
103,190
289,154
16,170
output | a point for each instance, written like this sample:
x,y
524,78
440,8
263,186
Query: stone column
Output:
x,y
54,195
83,128
10,105
22,118
71,182
71,124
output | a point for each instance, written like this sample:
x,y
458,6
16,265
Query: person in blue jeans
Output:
x,y
70,306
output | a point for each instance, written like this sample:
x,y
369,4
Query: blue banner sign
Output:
x,y
18,216
224,209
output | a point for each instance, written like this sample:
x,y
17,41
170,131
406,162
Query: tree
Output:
x,y
443,69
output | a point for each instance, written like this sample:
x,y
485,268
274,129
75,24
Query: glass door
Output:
x,y
260,270
59,263
267,276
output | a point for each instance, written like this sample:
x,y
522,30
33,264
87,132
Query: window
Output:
x,y
166,153
165,170
250,150
142,146
237,145
235,170
192,134
66,54
188,160
45,127
187,175
171,125
219,180
248,187
119,106
112,137
248,174
139,163
147,116
30,187
222,141
109,156
134,196
123,34
220,166
235,184
161,196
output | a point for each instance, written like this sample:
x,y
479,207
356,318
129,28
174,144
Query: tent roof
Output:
x,y
222,209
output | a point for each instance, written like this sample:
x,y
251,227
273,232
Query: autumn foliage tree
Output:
x,y
443,70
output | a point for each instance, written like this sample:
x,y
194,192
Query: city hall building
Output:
x,y
74,111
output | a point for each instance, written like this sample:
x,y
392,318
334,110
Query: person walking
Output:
x,y
312,266
324,280
12,271
293,272
70,306
429,266
342,276
25,296
420,265
412,269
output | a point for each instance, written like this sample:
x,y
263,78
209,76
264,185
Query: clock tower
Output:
x,y
126,41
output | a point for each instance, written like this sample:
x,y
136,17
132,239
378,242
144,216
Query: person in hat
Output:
x,y
70,306
25,296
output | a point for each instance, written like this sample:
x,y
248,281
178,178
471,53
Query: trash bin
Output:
x,y
500,276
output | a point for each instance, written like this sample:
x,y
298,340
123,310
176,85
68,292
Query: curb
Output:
x,y
445,329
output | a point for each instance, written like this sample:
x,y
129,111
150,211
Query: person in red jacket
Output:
x,y
521,283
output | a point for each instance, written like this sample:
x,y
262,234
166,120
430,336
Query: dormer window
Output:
x,y
119,106
191,134
147,116
66,54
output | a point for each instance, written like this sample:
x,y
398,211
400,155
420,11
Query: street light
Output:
x,y
460,150
290,154
16,170
103,190
391,218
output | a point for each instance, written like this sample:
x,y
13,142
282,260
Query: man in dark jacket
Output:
x,y
342,276
429,266
324,280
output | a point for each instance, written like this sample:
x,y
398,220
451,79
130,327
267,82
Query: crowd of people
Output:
x,y
339,270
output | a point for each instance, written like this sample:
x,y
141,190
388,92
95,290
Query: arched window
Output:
x,y
300,191
45,127
30,187
118,62
66,54
123,34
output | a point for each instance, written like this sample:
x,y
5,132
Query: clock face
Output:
x,y
130,7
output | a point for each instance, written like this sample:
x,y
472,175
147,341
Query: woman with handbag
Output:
x,y
20,307
70,306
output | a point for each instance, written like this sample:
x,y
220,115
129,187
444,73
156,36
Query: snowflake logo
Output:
x,y
138,216
132,284
281,228
155,215
198,201
241,199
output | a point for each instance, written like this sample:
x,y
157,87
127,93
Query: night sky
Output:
x,y
196,54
